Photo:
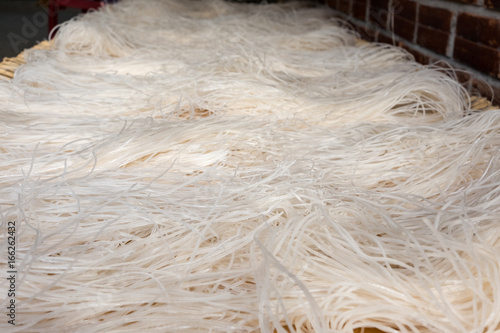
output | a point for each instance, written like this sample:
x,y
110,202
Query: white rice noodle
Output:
x,y
210,166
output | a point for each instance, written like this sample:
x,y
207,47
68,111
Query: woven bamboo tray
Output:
x,y
9,65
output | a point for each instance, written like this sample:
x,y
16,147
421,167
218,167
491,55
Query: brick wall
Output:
x,y
466,34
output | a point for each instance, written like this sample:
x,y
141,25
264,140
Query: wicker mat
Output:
x,y
9,65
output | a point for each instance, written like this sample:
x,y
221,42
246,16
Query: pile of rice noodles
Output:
x,y
207,166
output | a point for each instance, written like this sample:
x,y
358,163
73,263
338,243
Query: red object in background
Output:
x,y
54,6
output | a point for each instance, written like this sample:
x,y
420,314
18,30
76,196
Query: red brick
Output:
x,y
406,9
481,57
379,16
419,57
436,18
343,6
474,2
332,3
496,96
366,32
433,39
404,27
379,4
492,4
335,4
384,39
359,9
479,28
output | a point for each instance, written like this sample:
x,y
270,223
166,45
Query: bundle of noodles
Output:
x,y
209,166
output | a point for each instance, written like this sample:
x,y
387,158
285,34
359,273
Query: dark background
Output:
x,y
23,24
